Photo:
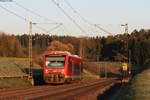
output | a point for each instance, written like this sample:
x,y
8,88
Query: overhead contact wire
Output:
x,y
86,21
14,13
35,13
23,18
69,17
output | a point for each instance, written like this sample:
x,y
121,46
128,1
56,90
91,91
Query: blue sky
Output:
x,y
109,14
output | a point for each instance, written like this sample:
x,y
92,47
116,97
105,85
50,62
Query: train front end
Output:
x,y
54,67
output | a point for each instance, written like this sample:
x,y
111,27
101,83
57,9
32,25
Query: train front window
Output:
x,y
55,61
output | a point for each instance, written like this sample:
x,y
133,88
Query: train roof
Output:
x,y
63,52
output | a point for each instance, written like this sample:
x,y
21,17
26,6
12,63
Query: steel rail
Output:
x,y
43,92
69,93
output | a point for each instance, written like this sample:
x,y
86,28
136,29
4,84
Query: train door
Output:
x,y
81,70
75,69
72,67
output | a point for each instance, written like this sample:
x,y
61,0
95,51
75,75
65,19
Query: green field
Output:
x,y
138,90
14,67
10,67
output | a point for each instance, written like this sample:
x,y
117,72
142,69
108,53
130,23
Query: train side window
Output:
x,y
77,68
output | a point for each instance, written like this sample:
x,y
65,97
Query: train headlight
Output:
x,y
63,71
46,71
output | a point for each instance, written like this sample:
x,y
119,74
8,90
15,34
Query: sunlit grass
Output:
x,y
139,89
14,66
14,83
95,67
13,58
110,64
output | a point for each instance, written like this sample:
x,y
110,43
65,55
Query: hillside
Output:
x,y
10,67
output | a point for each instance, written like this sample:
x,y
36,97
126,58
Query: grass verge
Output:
x,y
14,83
139,89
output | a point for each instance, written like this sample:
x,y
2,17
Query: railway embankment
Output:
x,y
137,89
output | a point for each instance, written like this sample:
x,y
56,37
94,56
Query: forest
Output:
x,y
111,48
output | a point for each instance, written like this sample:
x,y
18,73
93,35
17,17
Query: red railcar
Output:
x,y
61,66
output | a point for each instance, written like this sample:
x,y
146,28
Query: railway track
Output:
x,y
59,92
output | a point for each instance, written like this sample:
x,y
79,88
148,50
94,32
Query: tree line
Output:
x,y
110,48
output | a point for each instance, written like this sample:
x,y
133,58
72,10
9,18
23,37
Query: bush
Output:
x,y
147,63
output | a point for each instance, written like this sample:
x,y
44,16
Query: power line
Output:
x,y
46,31
69,17
14,13
75,11
55,27
49,23
65,29
35,13
25,19
103,29
85,20
41,28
